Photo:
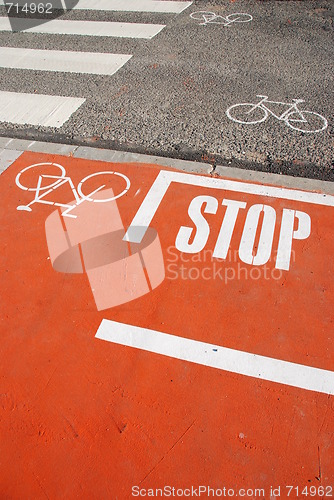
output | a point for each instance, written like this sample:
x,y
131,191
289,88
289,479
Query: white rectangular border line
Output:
x,y
86,28
215,356
152,200
59,60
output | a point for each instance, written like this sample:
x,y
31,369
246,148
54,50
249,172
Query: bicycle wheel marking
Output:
x,y
86,197
322,122
17,179
297,119
248,115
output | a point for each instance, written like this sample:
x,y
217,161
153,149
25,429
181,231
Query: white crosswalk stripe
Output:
x,y
37,109
163,6
59,60
52,110
87,28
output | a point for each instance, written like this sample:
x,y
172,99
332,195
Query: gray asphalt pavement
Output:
x,y
172,96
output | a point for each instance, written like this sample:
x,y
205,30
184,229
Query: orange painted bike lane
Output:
x,y
227,381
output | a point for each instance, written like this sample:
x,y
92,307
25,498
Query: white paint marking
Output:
x,y
5,24
86,28
60,180
215,356
288,233
171,7
295,118
154,197
37,109
226,230
248,253
57,60
198,206
212,18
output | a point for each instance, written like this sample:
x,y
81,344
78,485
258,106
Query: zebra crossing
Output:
x,y
51,110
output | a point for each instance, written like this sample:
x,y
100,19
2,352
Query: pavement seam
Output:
x,y
210,168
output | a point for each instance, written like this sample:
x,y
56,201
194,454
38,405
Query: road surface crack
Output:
x,y
166,454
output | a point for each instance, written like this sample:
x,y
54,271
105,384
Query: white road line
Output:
x,y
87,28
37,109
171,7
165,6
214,356
58,60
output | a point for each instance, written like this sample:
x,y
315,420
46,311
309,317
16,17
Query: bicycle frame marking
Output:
x,y
283,116
213,20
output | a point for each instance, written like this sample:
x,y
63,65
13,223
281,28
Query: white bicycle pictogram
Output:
x,y
303,121
212,18
47,183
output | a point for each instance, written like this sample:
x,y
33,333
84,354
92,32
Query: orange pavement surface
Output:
x,y
83,418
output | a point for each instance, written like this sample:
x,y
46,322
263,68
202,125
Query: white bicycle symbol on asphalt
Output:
x,y
212,18
54,182
303,121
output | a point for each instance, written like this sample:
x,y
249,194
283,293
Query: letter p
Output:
x,y
288,233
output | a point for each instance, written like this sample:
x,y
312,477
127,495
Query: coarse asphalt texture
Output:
x,y
171,98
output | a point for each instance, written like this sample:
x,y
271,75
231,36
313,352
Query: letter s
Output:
x,y
202,227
